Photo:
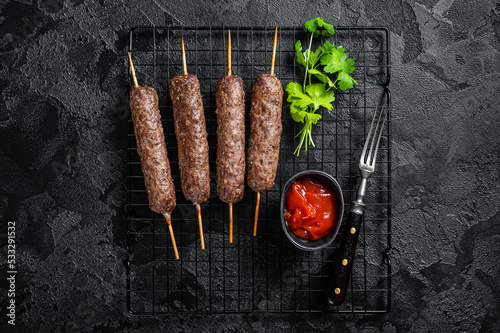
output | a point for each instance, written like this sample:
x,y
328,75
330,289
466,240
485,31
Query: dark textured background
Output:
x,y
63,110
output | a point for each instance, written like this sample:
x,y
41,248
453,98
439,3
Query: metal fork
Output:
x,y
339,280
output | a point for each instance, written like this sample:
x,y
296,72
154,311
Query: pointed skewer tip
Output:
x,y
184,66
200,225
274,50
256,218
174,245
230,223
229,69
132,70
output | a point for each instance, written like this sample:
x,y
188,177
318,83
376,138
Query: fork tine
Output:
x,y
367,140
385,112
373,139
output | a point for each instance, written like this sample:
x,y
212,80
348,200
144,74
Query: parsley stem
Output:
x,y
307,62
305,137
310,136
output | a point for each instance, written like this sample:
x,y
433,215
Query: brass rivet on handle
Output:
x,y
344,262
337,291
353,231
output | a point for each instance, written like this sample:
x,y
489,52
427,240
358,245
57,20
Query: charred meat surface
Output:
x,y
191,134
265,132
152,150
230,100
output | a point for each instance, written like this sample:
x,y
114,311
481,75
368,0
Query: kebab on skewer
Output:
x,y
152,151
191,134
230,101
265,132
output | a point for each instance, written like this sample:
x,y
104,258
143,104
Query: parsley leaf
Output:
x,y
314,97
300,57
299,116
327,47
297,97
325,28
313,117
315,90
309,117
293,88
326,99
335,61
298,101
345,81
320,96
322,77
312,57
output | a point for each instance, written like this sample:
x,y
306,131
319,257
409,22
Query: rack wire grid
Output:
x,y
265,273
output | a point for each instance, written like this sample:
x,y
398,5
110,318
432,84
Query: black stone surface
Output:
x,y
63,109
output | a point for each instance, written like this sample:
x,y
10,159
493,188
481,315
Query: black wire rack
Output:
x,y
265,273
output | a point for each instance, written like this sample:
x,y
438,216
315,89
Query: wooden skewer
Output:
x,y
184,66
229,72
167,217
200,224
274,50
229,53
257,204
133,70
198,208
230,223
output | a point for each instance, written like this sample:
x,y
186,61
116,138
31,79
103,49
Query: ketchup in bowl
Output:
x,y
310,209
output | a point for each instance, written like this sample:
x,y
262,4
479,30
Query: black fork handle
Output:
x,y
342,267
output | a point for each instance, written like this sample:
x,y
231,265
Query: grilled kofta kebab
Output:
x,y
191,134
265,133
230,101
152,151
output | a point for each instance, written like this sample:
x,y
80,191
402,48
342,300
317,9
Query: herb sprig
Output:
x,y
329,67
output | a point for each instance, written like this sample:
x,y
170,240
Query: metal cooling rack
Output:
x,y
264,273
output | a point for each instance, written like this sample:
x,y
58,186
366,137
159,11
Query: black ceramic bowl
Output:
x,y
305,244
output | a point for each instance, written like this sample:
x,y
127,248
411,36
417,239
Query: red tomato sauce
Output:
x,y
311,210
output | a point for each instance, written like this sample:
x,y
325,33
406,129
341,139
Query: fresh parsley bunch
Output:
x,y
330,68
